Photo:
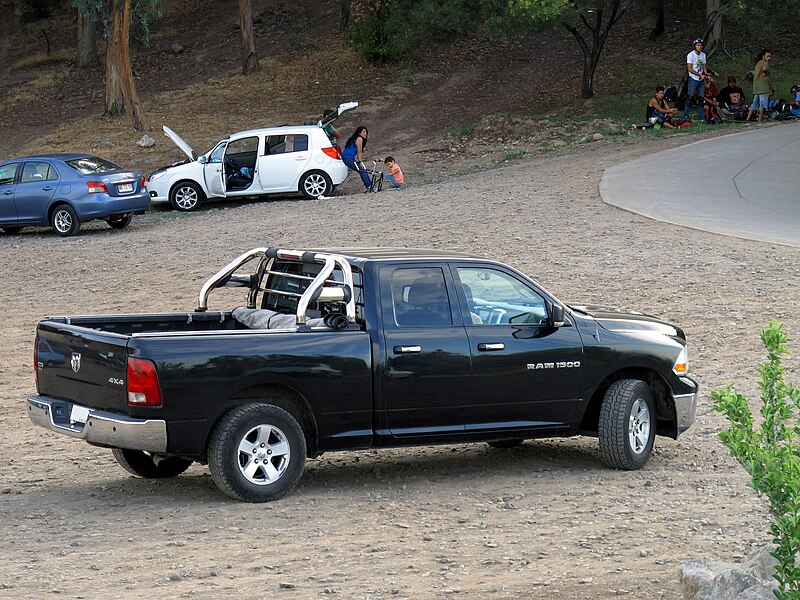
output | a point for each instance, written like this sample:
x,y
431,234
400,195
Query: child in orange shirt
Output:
x,y
394,177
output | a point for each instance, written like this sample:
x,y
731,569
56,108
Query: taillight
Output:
x,y
97,187
144,181
143,387
36,361
332,152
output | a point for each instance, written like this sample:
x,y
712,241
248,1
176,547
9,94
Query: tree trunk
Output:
x,y
599,31
249,58
87,42
344,15
714,34
658,27
115,105
121,93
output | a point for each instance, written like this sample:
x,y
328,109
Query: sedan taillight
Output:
x,y
144,181
332,152
97,187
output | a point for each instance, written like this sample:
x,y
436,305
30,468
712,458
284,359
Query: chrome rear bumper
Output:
x,y
96,426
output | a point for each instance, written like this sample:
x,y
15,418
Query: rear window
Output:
x,y
93,165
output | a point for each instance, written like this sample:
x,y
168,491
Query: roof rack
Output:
x,y
317,290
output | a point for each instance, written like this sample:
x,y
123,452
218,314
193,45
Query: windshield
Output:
x,y
92,165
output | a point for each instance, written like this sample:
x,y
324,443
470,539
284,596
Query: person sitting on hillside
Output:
x,y
659,112
713,115
731,98
796,104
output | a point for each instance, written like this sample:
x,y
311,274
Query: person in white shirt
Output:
x,y
696,85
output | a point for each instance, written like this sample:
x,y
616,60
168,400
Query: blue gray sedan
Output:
x,y
65,190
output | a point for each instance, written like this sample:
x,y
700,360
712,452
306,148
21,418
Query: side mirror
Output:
x,y
202,159
557,316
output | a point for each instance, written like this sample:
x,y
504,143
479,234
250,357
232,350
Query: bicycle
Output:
x,y
376,176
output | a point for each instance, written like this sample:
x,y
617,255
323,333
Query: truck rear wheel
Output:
x,y
257,453
149,465
627,427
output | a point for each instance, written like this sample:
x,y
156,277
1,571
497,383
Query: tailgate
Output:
x,y
82,365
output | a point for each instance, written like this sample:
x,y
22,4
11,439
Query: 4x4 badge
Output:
x,y
76,361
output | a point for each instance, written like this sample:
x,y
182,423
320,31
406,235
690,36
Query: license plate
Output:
x,y
79,414
125,188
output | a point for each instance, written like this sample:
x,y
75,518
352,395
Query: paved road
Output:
x,y
745,185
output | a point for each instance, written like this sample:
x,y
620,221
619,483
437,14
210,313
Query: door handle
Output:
x,y
7,193
301,158
47,188
407,349
491,347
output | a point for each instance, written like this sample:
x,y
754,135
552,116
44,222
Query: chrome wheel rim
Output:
x,y
264,455
186,197
62,221
315,185
639,426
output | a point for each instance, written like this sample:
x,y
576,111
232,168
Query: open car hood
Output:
x,y
178,141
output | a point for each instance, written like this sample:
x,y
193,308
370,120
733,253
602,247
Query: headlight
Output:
x,y
156,175
681,366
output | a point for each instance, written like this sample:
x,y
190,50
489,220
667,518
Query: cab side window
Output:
x,y
7,173
495,298
37,171
419,298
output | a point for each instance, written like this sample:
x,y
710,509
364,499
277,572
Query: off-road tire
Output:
x,y
148,465
256,429
627,426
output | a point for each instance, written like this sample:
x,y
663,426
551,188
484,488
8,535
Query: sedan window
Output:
x,y
37,171
92,165
7,173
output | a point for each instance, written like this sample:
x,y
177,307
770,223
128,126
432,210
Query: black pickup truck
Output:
x,y
357,348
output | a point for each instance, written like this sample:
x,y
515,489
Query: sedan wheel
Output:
x,y
315,184
257,453
119,221
65,221
186,196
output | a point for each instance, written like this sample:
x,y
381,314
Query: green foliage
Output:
x,y
29,11
462,131
390,29
770,452
143,12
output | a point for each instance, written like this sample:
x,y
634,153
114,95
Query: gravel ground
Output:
x,y
541,521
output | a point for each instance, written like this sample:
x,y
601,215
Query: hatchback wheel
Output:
x,y
186,196
119,221
65,221
315,184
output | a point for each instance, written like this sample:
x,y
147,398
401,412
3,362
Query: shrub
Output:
x,y
770,452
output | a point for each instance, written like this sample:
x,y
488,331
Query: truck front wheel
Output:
x,y
148,465
257,453
627,426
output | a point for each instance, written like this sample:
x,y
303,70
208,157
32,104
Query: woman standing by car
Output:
x,y
353,155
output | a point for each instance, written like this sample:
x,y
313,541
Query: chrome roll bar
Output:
x,y
316,290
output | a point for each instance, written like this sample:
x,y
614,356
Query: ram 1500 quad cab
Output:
x,y
357,348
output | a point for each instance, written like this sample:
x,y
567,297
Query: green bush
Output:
x,y
770,452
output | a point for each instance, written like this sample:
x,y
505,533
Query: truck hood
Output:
x,y
614,319
178,141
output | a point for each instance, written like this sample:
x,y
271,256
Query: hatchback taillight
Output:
x,y
143,386
332,152
97,187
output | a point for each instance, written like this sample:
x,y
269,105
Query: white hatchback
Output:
x,y
274,160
